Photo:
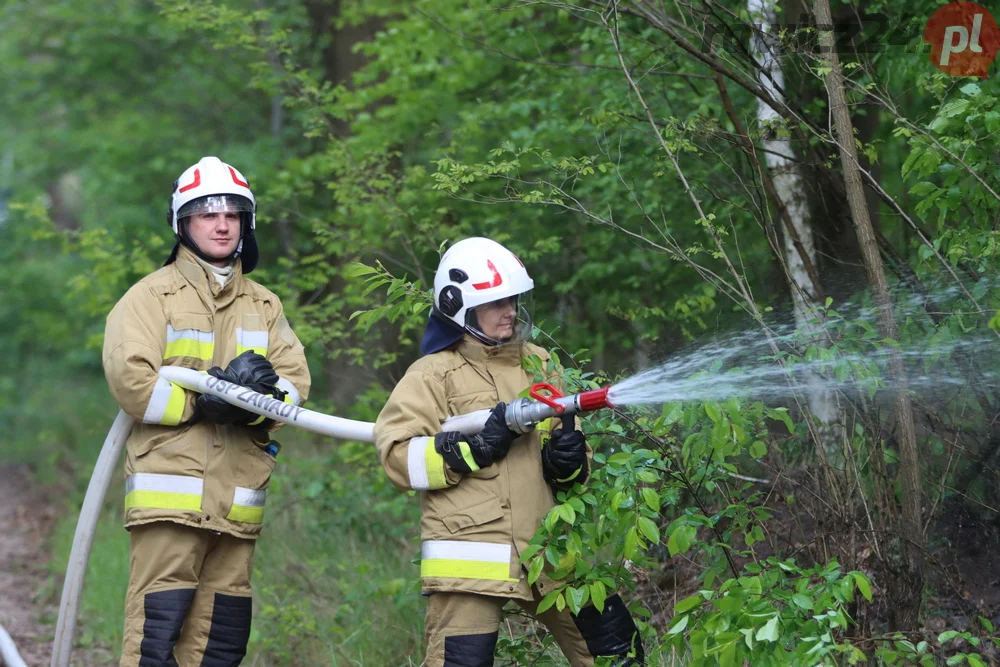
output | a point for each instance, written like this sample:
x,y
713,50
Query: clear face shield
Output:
x,y
215,204
507,320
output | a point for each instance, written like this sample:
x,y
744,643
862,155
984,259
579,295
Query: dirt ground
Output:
x,y
29,595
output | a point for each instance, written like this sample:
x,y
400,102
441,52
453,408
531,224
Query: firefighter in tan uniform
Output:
x,y
485,496
197,468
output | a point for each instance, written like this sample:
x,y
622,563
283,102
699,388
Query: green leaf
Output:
x,y
355,269
769,631
802,601
679,625
530,551
548,601
535,569
576,598
680,540
652,499
687,604
598,594
568,514
864,586
970,89
620,458
648,475
671,413
649,529
631,543
713,410
782,415
758,449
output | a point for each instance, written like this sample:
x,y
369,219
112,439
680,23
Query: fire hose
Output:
x,y
523,414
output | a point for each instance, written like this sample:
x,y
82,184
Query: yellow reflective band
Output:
x,y
185,347
248,505
246,514
424,466
189,343
257,421
465,569
434,464
175,406
166,404
463,446
575,474
460,559
163,500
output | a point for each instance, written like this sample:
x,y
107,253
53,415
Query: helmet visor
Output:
x,y
215,204
507,320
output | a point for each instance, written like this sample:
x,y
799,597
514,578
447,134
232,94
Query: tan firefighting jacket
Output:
x,y
474,527
203,475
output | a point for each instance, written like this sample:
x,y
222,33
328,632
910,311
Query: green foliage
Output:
x,y
374,134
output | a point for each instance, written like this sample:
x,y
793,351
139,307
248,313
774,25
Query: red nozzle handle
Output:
x,y
547,400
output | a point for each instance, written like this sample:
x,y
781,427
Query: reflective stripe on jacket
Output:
x,y
203,474
474,527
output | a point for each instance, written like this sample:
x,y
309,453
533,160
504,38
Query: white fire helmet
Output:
x,y
476,271
212,186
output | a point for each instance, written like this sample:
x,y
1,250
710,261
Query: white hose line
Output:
x,y
317,422
8,652
62,645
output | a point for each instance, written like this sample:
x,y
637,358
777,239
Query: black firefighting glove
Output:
x,y
249,370
465,453
564,456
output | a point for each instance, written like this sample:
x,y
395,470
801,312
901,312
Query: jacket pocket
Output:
x,y
461,404
476,515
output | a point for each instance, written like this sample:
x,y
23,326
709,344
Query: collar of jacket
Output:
x,y
212,293
476,351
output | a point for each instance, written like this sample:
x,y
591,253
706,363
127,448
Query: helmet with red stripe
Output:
x,y
212,186
477,272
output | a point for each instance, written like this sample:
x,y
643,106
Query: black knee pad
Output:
x,y
164,613
230,631
611,633
470,650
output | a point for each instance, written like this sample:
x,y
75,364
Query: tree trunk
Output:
x,y
790,193
910,531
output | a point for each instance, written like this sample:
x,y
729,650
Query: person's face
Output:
x,y
496,318
216,234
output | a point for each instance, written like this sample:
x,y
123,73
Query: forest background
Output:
x,y
674,175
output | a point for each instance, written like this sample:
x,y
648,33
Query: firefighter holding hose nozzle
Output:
x,y
484,496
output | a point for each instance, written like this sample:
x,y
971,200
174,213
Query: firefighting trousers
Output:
x,y
461,630
188,601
